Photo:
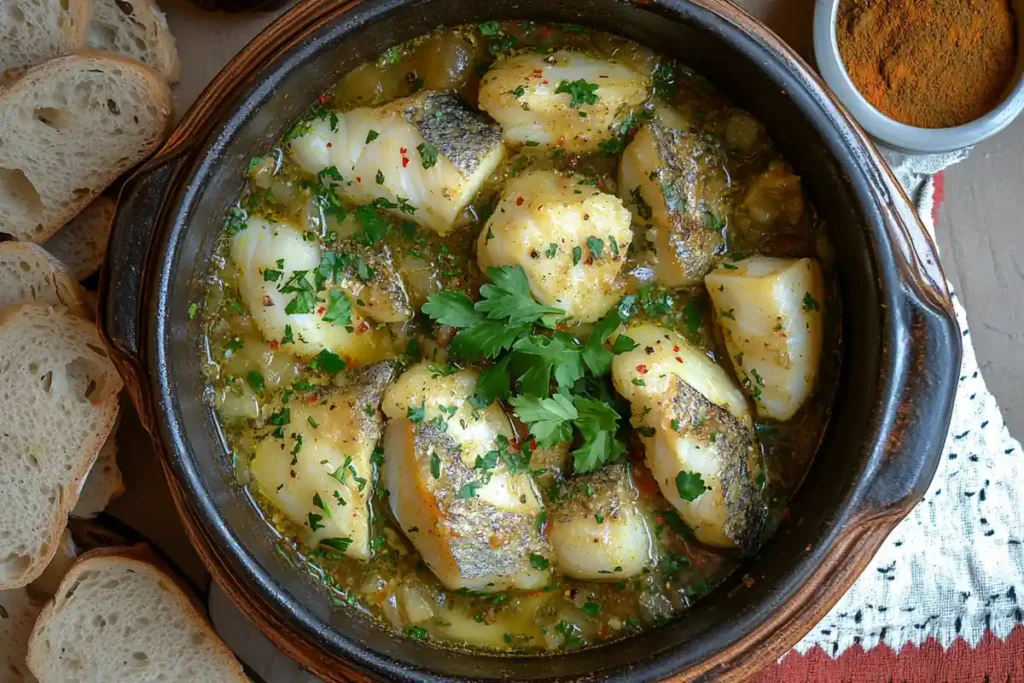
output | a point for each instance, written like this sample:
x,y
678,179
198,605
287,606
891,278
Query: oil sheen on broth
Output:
x,y
522,337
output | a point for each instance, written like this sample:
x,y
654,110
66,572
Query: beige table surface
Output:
x,y
980,233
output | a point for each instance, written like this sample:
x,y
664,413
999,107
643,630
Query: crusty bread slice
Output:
x,y
118,617
68,128
33,31
28,274
102,484
58,399
18,612
45,587
136,29
81,244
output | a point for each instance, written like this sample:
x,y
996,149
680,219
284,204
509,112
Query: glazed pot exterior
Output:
x,y
900,345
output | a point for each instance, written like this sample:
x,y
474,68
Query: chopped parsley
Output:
x,y
256,381
580,92
428,155
690,485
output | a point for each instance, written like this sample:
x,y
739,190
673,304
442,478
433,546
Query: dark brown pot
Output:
x,y
901,342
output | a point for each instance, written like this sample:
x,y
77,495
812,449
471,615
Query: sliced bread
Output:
x,y
81,244
18,612
136,29
33,31
58,399
102,484
68,128
28,274
45,587
118,617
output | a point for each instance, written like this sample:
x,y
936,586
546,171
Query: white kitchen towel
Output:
x,y
955,566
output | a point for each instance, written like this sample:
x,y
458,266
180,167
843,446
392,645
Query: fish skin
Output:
x,y
460,133
484,540
747,510
689,179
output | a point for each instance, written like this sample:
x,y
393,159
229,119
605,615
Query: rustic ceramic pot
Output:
x,y
901,345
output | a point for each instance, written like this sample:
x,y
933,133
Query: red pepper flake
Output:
x,y
601,184
675,349
545,82
403,150
363,327
329,145
312,399
275,344
405,161
359,179
537,73
321,310
324,99
519,201
561,141
642,369
678,359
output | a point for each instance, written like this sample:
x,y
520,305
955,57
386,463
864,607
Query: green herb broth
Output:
x,y
253,378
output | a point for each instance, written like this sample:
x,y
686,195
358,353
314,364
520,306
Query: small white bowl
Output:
x,y
898,135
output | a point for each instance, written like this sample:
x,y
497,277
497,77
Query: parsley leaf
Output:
x,y
494,382
256,381
810,303
690,485
452,307
509,297
485,340
328,361
549,419
339,310
580,92
428,154
339,544
598,423
542,354
374,227
469,490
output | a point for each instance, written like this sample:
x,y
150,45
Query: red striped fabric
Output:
x,y
992,661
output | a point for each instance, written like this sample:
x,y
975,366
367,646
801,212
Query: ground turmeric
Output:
x,y
929,63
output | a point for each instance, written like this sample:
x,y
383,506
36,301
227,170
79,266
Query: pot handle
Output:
x,y
923,401
122,283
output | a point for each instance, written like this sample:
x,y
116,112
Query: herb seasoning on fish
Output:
x,y
461,344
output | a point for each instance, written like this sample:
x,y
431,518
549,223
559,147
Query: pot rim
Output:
x,y
908,262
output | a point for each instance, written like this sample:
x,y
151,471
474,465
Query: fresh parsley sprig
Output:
x,y
510,327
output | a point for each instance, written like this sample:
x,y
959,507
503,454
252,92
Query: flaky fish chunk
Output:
x,y
597,530
280,248
317,471
569,237
567,100
425,156
471,515
674,183
770,312
698,436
